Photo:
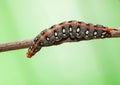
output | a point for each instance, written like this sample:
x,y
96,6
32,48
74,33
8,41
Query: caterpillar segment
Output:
x,y
71,31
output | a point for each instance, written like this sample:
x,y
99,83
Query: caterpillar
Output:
x,y
71,31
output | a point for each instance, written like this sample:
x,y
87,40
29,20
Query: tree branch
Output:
x,y
15,45
26,43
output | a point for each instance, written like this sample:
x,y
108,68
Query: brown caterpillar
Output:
x,y
71,31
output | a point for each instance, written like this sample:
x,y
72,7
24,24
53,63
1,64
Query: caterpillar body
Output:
x,y
71,31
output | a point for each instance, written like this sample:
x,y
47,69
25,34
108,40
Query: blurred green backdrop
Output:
x,y
95,62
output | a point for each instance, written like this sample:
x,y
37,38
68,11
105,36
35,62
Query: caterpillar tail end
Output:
x,y
116,33
29,54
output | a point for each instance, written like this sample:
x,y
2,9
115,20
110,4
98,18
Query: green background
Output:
x,y
95,62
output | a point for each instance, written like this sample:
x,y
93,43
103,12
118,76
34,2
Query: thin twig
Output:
x,y
15,45
26,43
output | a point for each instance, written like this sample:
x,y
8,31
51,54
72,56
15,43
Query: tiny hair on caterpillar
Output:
x,y
70,31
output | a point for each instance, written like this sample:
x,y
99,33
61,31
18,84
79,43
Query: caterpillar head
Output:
x,y
30,54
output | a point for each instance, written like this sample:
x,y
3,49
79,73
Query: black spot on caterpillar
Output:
x,y
71,31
